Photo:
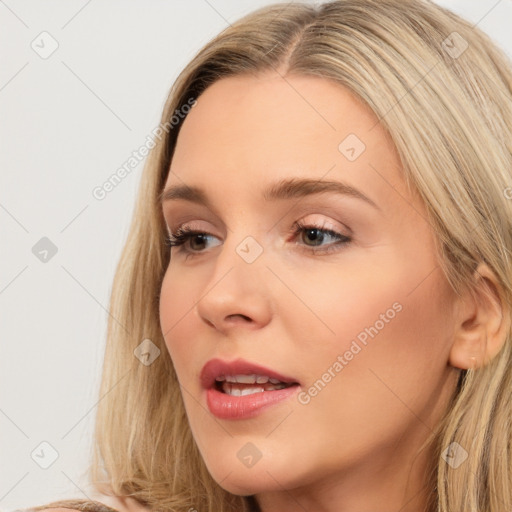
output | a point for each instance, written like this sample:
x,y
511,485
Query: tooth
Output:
x,y
261,379
234,390
246,379
230,378
250,391
227,387
221,378
275,381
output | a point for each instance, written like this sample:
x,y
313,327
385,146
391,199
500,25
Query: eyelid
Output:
x,y
325,215
326,223
182,235
301,213
189,224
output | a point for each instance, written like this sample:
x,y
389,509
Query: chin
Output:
x,y
249,482
235,472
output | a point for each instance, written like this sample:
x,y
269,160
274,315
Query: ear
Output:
x,y
483,322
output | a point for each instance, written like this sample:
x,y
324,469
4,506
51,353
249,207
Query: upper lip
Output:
x,y
217,367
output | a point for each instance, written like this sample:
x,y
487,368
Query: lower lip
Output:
x,y
226,406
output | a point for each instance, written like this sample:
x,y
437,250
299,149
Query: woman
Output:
x,y
313,309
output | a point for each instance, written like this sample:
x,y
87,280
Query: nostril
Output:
x,y
239,315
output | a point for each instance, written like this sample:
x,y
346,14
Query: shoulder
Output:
x,y
67,505
121,504
100,504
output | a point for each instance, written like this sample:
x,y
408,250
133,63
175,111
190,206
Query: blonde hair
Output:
x,y
448,110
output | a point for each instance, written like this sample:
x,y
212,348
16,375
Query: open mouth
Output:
x,y
241,385
240,389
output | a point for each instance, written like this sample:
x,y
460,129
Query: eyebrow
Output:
x,y
285,189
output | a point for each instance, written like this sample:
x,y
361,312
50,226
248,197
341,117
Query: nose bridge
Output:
x,y
236,287
242,249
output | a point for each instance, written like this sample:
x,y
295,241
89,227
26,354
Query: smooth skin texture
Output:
x,y
354,445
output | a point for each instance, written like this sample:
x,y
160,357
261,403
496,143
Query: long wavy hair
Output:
x,y
443,91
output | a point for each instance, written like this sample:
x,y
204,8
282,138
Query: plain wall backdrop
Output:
x,y
82,86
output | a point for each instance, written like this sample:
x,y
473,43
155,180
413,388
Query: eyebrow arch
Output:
x,y
284,189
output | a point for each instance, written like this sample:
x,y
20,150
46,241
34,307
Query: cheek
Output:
x,y
394,319
348,302
176,311
386,362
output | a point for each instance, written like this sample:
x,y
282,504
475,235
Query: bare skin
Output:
x,y
354,445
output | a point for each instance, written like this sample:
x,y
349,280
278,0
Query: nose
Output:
x,y
236,295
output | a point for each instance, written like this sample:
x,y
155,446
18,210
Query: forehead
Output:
x,y
249,130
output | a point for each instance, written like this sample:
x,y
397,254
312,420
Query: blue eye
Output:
x,y
315,236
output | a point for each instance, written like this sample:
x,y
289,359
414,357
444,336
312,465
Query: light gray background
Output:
x,y
67,123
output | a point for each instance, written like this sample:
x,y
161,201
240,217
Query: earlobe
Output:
x,y
482,322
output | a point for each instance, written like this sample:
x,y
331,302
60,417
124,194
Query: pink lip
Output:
x,y
225,406
216,367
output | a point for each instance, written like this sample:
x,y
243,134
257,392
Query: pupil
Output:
x,y
200,237
313,232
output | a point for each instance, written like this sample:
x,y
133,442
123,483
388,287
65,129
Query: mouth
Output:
x,y
242,376
242,385
240,389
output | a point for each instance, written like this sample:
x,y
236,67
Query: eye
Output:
x,y
185,234
315,235
313,238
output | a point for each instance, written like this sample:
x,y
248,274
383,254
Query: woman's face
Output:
x,y
351,313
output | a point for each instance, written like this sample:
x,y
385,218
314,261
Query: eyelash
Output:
x,y
184,234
